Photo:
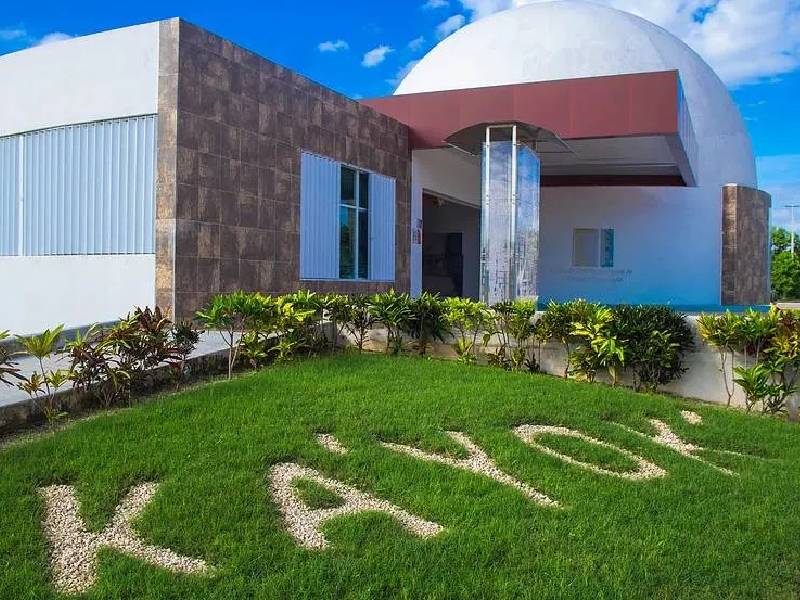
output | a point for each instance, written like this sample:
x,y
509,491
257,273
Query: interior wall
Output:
x,y
73,290
450,217
447,173
107,75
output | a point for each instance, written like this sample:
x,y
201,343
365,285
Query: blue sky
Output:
x,y
361,47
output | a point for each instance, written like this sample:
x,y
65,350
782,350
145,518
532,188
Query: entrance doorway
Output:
x,y
450,248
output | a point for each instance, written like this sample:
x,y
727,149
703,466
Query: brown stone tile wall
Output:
x,y
240,123
745,246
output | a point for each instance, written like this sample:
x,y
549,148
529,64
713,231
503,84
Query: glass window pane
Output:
x,y
586,248
363,190
608,248
347,243
348,186
363,244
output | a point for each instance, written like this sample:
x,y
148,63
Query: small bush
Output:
x,y
656,339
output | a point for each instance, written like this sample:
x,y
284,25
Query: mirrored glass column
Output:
x,y
509,216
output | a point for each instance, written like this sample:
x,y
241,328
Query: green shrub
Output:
x,y
393,310
601,349
339,310
466,318
656,339
359,319
42,386
512,324
427,322
557,324
8,366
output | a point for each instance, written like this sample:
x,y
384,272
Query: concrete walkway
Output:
x,y
210,343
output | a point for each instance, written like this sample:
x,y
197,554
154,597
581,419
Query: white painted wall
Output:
x,y
44,291
667,239
667,245
449,172
102,76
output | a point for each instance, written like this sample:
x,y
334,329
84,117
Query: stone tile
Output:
x,y
208,240
208,170
229,175
249,147
229,208
230,142
209,205
249,179
186,237
248,209
185,273
208,274
186,201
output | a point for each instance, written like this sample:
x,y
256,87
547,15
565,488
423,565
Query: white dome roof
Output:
x,y
566,39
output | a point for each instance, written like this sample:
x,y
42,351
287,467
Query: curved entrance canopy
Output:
x,y
615,130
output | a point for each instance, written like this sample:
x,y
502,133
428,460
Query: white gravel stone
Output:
x,y
646,469
691,417
73,549
331,444
477,462
304,524
664,436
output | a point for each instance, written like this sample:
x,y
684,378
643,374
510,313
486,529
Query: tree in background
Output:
x,y
781,240
785,265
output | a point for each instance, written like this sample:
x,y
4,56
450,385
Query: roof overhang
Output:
x,y
615,130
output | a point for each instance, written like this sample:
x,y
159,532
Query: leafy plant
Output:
x,y
512,325
43,385
722,332
601,350
291,325
656,340
231,315
311,329
339,311
763,384
8,367
427,321
557,325
359,319
466,318
393,310
184,337
95,367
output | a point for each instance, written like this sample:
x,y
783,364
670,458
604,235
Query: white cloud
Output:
x,y
450,26
333,46
401,74
746,41
416,44
780,176
376,56
11,34
434,4
52,38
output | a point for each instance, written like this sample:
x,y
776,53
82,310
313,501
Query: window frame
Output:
x,y
602,255
360,211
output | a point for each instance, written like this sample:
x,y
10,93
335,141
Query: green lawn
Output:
x,y
695,533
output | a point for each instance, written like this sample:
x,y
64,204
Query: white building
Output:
x,y
161,164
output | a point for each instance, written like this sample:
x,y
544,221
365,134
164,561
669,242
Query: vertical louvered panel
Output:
x,y
90,189
9,196
382,228
319,221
